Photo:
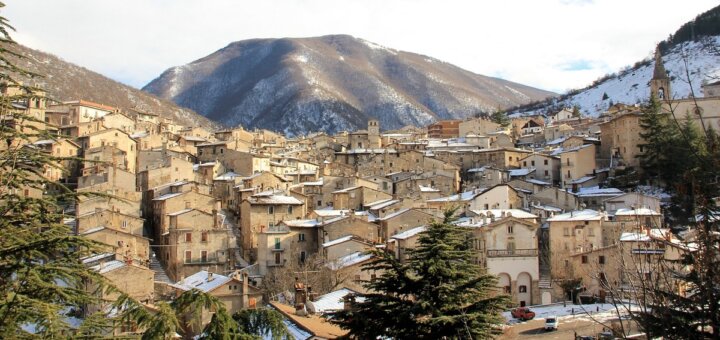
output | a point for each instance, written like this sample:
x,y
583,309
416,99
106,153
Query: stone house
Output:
x,y
234,292
620,139
116,138
507,245
402,221
547,168
571,233
129,278
110,219
555,197
177,200
576,163
265,210
477,126
501,196
128,247
631,200
195,240
357,197
343,246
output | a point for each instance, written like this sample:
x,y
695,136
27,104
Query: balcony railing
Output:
x,y
512,253
273,264
648,251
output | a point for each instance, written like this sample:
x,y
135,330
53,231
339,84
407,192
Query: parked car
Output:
x,y
522,313
551,323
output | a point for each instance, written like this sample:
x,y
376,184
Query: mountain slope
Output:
x,y
632,85
65,81
329,84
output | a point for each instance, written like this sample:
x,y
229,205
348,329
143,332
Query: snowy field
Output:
x,y
596,311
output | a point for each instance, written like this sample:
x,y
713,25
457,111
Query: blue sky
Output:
x,y
551,44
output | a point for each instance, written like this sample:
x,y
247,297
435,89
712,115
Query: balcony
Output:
x,y
648,251
277,247
512,253
273,264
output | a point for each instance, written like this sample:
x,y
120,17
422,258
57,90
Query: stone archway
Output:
x,y
524,288
505,283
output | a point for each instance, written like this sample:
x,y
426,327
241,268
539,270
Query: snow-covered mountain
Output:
x,y
700,59
66,81
331,83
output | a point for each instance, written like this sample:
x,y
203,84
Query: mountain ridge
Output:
x,y
63,81
330,83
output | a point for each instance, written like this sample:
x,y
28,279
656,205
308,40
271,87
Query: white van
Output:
x,y
551,323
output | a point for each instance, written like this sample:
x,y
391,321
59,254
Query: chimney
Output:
x,y
245,290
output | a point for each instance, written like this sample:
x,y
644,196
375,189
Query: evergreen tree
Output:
x,y
500,117
42,279
576,112
656,135
438,293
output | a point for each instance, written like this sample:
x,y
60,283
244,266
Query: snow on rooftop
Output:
x,y
597,191
228,176
337,241
330,212
537,181
465,196
582,180
202,280
521,172
180,212
301,223
168,196
633,212
382,205
409,233
506,212
107,267
349,260
428,189
92,230
332,301
578,215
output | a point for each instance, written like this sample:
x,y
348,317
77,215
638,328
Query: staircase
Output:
x,y
545,282
160,275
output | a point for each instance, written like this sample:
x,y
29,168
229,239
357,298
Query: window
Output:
x,y
319,203
301,237
507,290
532,163
188,237
511,246
522,289
357,277
524,163
546,162
277,243
277,258
566,231
188,256
591,231
124,224
290,207
584,259
302,257
203,256
601,259
271,209
510,229
546,173
204,236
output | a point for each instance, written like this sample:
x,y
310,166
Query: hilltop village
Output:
x,y
225,211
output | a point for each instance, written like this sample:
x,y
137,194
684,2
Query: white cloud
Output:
x,y
529,41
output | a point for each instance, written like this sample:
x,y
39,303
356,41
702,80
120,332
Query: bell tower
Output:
x,y
373,130
660,83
